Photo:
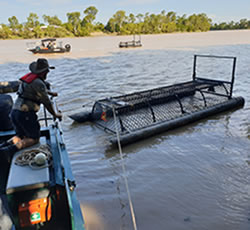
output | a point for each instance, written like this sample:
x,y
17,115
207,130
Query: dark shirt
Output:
x,y
31,95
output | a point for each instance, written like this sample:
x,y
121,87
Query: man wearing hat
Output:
x,y
32,92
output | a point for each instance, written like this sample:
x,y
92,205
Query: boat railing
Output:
x,y
46,119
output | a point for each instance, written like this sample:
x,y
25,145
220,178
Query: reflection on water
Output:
x,y
93,220
195,177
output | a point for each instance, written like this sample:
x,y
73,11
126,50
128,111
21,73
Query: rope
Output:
x,y
124,173
27,157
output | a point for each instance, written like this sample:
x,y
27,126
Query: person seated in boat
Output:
x,y
31,93
6,103
50,45
54,45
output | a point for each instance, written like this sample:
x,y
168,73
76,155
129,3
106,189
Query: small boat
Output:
x,y
136,116
133,43
40,196
47,46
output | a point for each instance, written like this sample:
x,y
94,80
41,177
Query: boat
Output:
x,y
40,195
47,46
133,43
137,116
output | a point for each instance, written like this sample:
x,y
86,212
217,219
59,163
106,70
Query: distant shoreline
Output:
x,y
98,45
102,34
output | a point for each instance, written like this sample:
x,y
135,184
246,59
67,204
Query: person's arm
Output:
x,y
53,94
9,86
44,98
52,111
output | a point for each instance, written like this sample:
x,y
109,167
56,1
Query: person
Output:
x,y
50,46
32,91
6,103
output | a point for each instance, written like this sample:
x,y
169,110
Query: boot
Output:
x,y
8,151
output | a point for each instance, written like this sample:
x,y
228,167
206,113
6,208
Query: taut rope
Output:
x,y
124,173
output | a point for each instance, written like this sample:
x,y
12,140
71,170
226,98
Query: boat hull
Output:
x,y
48,51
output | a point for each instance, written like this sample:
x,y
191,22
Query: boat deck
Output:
x,y
24,177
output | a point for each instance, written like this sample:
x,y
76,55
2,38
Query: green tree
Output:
x,y
99,27
243,24
91,13
74,23
52,20
87,22
116,22
5,32
131,18
182,23
14,25
32,21
110,27
57,32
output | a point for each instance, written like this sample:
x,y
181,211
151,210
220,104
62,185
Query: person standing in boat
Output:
x,y
32,91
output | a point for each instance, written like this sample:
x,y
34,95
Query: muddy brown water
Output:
x,y
195,177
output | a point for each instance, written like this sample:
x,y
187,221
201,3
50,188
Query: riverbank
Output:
x,y
16,50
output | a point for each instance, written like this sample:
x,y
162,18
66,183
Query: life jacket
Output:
x,y
29,77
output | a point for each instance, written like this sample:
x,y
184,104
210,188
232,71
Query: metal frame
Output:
x,y
195,78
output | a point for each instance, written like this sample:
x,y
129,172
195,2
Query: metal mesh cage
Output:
x,y
138,110
142,109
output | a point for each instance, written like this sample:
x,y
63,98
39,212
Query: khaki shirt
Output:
x,y
31,96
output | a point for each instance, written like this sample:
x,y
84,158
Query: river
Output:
x,y
193,178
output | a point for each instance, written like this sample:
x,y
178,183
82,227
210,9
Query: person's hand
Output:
x,y
58,116
53,94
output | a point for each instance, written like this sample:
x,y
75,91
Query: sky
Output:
x,y
217,10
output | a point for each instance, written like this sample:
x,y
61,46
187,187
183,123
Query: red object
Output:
x,y
34,212
29,77
103,116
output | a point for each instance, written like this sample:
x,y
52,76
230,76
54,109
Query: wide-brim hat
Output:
x,y
40,66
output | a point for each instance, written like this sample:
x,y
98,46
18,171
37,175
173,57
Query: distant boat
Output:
x,y
133,43
48,45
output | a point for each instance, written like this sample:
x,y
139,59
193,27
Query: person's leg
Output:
x,y
27,130
13,140
7,149
26,142
30,130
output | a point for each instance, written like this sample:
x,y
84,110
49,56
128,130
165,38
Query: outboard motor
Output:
x,y
6,103
67,47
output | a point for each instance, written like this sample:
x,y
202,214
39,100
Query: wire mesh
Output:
x,y
142,109
139,110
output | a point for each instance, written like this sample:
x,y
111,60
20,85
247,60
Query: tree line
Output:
x,y
119,23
